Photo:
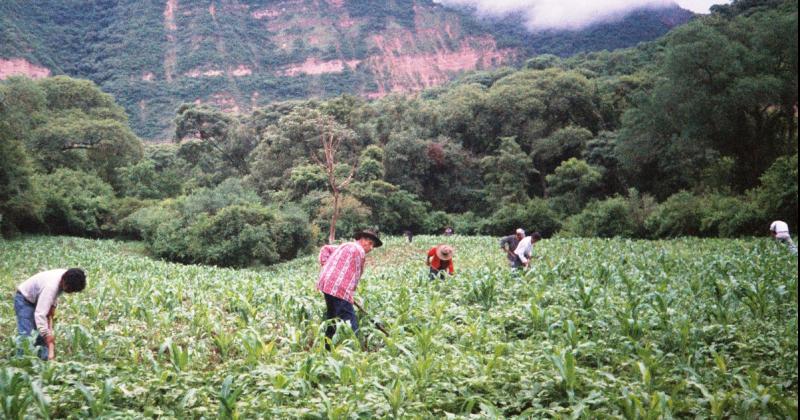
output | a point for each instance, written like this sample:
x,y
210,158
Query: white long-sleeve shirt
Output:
x,y
524,249
780,228
42,290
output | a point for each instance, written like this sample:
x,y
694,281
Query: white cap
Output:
x,y
520,232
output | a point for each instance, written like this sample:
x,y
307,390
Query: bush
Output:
x,y
680,215
685,214
143,180
730,216
467,223
76,203
353,215
114,222
605,219
237,235
573,184
224,226
437,221
535,215
777,194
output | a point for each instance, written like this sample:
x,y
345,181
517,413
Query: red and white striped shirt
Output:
x,y
341,269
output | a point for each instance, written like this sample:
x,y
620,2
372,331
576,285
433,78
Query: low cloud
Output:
x,y
558,14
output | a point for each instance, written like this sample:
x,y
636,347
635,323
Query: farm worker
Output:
x,y
341,270
524,249
780,231
509,244
35,304
440,259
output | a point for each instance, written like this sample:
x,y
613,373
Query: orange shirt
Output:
x,y
436,263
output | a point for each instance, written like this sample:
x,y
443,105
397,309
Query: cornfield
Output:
x,y
700,328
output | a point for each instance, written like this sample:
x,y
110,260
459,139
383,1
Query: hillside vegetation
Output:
x,y
694,134
154,55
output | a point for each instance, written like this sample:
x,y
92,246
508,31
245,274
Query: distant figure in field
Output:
x,y
440,260
448,231
780,231
35,305
509,243
524,249
409,235
341,270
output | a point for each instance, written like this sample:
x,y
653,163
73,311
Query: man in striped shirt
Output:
x,y
342,267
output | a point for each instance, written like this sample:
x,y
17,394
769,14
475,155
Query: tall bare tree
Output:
x,y
337,150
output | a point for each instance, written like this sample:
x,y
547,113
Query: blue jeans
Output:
x,y
26,323
342,309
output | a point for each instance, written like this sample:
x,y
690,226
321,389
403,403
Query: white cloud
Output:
x,y
570,14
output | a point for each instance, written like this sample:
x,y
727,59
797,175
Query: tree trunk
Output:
x,y
334,217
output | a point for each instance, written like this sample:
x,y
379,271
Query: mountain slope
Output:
x,y
153,55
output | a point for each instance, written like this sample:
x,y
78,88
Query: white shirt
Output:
x,y
524,249
780,228
42,289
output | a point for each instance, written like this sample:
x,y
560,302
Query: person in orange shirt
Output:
x,y
440,259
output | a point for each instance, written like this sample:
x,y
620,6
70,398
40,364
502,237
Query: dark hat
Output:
x,y
371,234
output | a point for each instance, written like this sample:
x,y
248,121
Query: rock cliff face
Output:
x,y
237,54
314,37
21,67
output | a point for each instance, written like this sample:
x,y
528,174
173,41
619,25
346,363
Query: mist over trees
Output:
x,y
692,134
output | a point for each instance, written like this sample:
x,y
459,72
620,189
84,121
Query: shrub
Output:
x,y
605,219
777,194
731,216
437,221
353,215
467,223
680,215
144,180
534,215
237,235
573,184
76,203
224,226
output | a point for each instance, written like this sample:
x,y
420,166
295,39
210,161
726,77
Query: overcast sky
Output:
x,y
572,14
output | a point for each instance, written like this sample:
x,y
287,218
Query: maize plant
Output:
x,y
700,328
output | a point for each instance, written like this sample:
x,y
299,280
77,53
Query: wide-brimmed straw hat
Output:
x,y
371,234
444,252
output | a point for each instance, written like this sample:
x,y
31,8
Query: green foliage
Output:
x,y
605,219
776,196
721,79
506,172
225,226
75,202
143,180
354,215
601,328
467,223
17,200
573,184
707,215
219,135
534,215
680,215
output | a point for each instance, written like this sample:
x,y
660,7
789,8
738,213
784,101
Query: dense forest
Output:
x,y
692,134
153,55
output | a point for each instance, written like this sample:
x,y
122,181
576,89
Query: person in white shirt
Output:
x,y
780,231
35,304
524,249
